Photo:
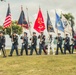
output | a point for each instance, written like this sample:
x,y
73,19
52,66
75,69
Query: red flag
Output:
x,y
39,25
8,21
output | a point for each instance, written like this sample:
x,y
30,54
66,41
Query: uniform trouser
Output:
x,y
72,49
24,47
32,48
14,47
66,47
52,48
59,46
3,51
42,47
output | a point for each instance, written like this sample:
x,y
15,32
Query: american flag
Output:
x,y
7,21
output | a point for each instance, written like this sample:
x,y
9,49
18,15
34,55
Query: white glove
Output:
x,y
0,53
2,45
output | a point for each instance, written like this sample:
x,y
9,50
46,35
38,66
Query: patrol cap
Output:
x,y
41,31
25,33
66,34
1,32
59,34
50,34
34,32
14,32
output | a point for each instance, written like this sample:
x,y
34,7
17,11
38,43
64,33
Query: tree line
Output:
x,y
13,27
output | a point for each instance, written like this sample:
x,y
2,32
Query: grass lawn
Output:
x,y
38,65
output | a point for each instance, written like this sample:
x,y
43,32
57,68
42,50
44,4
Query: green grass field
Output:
x,y
38,65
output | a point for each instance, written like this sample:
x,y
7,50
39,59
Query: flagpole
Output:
x,y
11,28
55,22
48,38
62,22
48,43
29,27
22,20
11,21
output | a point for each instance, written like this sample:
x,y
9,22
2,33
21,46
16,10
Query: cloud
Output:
x,y
33,5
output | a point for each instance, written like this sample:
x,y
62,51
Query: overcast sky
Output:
x,y
65,6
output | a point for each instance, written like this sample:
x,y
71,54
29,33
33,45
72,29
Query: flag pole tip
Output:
x,y
39,6
21,7
8,4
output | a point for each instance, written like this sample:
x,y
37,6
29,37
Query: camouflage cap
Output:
x,y
59,33
34,32
25,33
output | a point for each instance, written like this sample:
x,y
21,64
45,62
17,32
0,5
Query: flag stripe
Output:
x,y
8,20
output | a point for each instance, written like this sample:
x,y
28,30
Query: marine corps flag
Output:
x,y
39,25
7,21
49,24
22,21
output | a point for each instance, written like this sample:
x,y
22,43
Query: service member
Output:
x,y
2,43
42,43
73,44
59,43
24,44
33,43
51,43
66,44
14,39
